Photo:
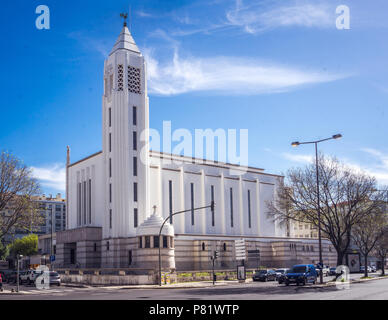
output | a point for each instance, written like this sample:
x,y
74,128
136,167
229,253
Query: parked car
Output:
x,y
332,271
325,270
264,275
55,278
29,276
11,277
301,274
362,269
281,275
373,268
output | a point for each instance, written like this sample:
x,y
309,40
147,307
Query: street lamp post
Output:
x,y
19,256
211,206
295,144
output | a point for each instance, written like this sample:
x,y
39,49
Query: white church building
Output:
x,y
117,198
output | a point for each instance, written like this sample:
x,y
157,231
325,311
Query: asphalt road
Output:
x,y
375,290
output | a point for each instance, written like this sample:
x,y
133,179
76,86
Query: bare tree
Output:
x,y
344,200
17,189
367,232
381,249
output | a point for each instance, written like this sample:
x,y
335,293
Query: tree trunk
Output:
x,y
340,258
382,265
366,265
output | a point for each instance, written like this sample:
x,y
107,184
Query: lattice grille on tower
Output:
x,y
120,77
134,83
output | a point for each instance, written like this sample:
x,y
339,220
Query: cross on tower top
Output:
x,y
124,16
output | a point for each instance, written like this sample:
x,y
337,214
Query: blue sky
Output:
x,y
280,69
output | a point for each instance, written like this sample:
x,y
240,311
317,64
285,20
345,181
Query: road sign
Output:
x,y
240,249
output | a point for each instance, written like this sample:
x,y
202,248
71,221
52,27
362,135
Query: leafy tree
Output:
x,y
26,246
18,187
344,200
4,251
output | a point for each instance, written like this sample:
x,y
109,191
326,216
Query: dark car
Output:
x,y
12,276
301,274
264,275
332,271
281,275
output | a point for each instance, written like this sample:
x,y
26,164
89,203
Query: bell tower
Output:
x,y
125,115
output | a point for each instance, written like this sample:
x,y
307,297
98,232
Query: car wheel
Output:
x,y
265,279
59,284
29,282
287,283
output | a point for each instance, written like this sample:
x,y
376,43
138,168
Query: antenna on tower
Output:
x,y
124,16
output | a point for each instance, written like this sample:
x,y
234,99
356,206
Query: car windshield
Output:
x,y
261,271
280,270
53,274
298,269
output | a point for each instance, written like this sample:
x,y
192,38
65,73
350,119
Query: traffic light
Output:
x,y
216,254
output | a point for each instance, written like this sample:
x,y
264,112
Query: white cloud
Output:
x,y
377,167
53,176
300,158
258,17
227,75
144,14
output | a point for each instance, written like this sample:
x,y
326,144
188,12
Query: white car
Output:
x,y
326,270
29,276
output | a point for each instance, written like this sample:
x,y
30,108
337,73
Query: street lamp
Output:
x,y
211,206
19,256
295,144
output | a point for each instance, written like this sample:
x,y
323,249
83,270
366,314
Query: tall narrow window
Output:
x,y
107,246
135,217
84,200
129,257
90,201
134,116
170,199
110,168
135,191
212,200
110,192
110,117
79,203
249,209
165,242
135,166
110,142
134,140
192,203
110,218
140,242
120,77
156,241
147,242
231,207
